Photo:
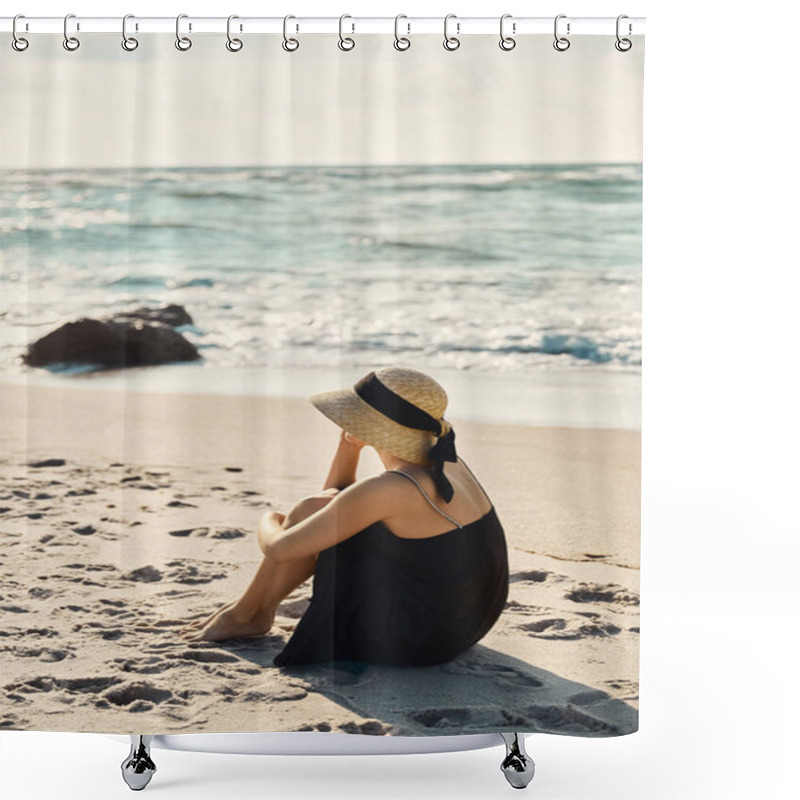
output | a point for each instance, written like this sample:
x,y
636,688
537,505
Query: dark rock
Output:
x,y
132,338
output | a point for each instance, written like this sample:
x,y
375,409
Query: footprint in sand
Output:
x,y
146,574
208,656
534,718
371,726
442,717
40,593
624,685
48,683
146,665
588,698
185,572
47,654
278,694
45,633
137,695
602,593
110,634
568,719
559,628
11,722
92,567
86,530
531,575
181,593
219,533
497,673
102,692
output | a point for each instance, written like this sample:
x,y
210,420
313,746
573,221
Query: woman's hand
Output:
x,y
343,468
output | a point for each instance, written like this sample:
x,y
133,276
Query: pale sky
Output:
x,y
101,106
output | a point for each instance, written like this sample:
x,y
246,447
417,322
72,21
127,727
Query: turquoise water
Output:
x,y
494,269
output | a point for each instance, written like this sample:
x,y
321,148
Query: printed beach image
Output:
x,y
166,316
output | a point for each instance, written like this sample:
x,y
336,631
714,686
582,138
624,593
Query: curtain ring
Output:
x,y
401,42
183,43
128,42
233,44
289,44
623,45
346,43
17,42
451,42
561,43
507,42
70,42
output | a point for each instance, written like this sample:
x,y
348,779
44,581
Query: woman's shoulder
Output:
x,y
387,490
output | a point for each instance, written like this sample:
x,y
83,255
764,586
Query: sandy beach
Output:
x,y
127,514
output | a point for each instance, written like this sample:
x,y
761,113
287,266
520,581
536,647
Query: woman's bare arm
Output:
x,y
342,472
349,512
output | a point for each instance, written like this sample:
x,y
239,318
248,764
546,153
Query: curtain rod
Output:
x,y
352,24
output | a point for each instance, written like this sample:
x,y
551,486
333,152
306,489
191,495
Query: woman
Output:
x,y
397,579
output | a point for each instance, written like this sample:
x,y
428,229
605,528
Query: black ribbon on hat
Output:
x,y
397,408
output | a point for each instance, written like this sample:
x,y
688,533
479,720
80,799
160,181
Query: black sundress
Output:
x,y
385,599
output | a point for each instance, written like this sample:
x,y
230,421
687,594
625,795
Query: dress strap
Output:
x,y
425,495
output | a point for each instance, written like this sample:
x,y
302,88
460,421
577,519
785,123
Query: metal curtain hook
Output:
x,y
507,42
401,42
346,43
128,42
233,44
561,43
17,42
451,42
181,42
289,44
623,45
70,42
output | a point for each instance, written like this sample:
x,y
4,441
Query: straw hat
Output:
x,y
349,411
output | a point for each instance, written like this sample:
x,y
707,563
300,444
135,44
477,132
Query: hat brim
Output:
x,y
345,408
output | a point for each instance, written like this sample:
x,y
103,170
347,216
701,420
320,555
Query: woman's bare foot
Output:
x,y
198,624
227,624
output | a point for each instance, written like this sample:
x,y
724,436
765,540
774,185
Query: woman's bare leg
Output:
x,y
253,613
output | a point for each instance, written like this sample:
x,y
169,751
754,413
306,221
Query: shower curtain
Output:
x,y
197,241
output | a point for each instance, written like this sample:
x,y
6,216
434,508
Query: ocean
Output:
x,y
494,276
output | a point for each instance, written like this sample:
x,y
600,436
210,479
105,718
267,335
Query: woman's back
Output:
x,y
426,514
